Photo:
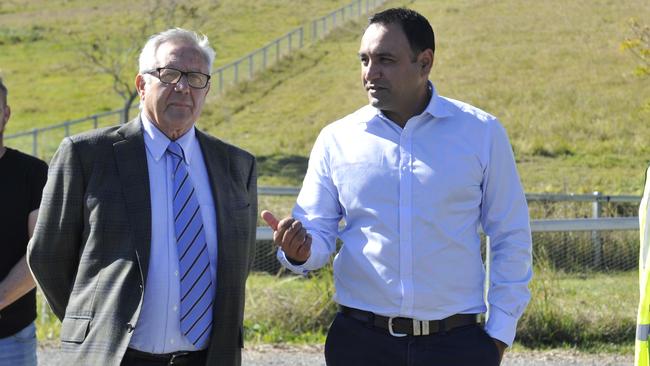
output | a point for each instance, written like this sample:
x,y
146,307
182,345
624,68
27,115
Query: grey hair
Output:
x,y
147,60
3,91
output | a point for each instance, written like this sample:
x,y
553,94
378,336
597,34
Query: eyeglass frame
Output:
x,y
183,73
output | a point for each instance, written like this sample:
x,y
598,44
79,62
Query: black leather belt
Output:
x,y
134,357
400,327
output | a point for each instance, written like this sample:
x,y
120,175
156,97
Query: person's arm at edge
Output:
x,y
19,281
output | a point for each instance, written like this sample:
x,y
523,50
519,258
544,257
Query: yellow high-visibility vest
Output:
x,y
642,354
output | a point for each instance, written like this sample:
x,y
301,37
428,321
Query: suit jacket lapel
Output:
x,y
131,162
217,165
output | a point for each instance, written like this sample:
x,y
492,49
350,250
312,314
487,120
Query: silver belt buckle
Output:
x,y
390,328
175,355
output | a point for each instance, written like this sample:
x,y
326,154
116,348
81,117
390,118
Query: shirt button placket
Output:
x,y
405,245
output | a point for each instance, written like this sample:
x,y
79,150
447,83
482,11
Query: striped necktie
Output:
x,y
196,289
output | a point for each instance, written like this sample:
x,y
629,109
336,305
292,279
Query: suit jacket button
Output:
x,y
129,327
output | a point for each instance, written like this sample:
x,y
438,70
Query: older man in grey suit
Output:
x,y
146,231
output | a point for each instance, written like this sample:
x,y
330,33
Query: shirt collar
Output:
x,y
157,142
435,108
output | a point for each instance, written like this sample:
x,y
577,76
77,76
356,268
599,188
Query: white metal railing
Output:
x,y
551,197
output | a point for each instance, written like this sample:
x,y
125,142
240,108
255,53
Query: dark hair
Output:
x,y
3,91
416,27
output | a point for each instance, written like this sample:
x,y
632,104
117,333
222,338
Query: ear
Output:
x,y
140,84
4,118
425,58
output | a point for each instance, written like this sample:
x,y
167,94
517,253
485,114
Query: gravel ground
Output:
x,y
267,355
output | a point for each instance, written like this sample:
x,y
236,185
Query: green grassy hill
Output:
x,y
49,82
551,70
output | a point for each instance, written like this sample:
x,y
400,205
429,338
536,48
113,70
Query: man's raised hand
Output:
x,y
289,235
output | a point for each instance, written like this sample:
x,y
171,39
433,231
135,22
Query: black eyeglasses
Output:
x,y
169,75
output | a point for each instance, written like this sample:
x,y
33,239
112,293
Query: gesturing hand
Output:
x,y
289,235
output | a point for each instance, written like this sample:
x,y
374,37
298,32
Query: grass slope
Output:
x,y
552,71
50,83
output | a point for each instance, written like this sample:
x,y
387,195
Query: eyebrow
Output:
x,y
380,54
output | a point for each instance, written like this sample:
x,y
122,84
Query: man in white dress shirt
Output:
x,y
413,175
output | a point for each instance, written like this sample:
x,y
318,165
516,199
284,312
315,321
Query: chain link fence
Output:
x,y
604,236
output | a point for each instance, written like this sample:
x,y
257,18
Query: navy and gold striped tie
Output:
x,y
197,291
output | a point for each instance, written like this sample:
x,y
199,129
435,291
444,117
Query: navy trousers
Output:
x,y
353,342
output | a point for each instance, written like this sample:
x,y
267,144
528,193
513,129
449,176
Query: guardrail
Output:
x,y
550,197
540,226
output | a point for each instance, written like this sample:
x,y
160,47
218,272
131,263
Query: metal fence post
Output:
x,y
220,80
290,38
237,71
595,235
95,121
264,52
66,125
277,50
301,37
314,31
35,142
250,66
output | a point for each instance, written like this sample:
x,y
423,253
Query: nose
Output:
x,y
182,85
372,70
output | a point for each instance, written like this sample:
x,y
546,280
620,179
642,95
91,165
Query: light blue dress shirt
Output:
x,y
158,328
413,200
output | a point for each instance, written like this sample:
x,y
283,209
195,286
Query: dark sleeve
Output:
x,y
37,178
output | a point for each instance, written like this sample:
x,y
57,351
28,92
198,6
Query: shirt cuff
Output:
x,y
297,269
501,326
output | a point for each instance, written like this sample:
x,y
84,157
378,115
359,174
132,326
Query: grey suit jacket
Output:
x,y
90,250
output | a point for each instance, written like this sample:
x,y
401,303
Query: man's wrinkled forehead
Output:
x,y
181,55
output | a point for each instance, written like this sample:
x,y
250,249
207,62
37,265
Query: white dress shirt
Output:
x,y
158,327
412,200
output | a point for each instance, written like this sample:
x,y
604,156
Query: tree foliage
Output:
x,y
639,45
